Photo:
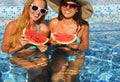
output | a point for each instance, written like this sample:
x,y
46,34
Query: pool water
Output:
x,y
102,62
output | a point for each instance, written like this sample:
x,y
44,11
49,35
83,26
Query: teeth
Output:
x,y
36,15
67,12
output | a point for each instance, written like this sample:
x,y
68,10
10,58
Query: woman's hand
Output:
x,y
42,47
23,40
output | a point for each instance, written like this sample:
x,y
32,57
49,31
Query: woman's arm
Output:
x,y
84,44
83,35
6,38
52,26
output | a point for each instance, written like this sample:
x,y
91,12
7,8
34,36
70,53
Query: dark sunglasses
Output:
x,y
43,11
74,6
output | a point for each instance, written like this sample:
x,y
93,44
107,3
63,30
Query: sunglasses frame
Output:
x,y
38,8
72,6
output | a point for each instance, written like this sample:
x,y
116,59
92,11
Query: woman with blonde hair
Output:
x,y
28,56
67,60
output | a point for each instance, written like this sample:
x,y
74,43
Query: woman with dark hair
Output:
x,y
30,57
67,60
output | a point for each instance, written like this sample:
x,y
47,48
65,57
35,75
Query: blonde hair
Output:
x,y
23,21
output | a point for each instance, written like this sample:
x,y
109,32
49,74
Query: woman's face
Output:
x,y
37,10
69,9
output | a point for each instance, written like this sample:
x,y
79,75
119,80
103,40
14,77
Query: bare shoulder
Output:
x,y
85,25
54,21
11,24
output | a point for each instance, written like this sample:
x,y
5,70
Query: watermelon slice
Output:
x,y
34,37
62,38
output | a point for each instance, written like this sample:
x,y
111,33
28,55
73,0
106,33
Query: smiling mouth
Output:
x,y
67,11
36,15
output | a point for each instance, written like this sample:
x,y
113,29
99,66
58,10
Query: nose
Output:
x,y
37,11
68,6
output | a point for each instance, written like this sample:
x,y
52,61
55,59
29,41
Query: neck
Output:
x,y
34,22
68,21
33,25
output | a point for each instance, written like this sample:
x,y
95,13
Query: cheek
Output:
x,y
31,14
74,13
30,10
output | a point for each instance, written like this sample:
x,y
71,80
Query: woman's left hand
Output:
x,y
42,47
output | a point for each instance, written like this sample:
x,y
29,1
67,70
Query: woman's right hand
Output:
x,y
23,40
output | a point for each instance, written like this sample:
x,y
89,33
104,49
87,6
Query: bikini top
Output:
x,y
77,39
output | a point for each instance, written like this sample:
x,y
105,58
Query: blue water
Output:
x,y
102,62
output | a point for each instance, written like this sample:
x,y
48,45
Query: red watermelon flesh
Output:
x,y
63,38
34,37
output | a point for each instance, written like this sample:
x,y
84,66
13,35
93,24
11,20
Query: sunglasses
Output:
x,y
73,6
42,10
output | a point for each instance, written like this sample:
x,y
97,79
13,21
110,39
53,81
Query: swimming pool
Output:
x,y
102,63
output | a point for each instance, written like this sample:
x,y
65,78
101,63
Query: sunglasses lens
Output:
x,y
43,11
74,6
35,8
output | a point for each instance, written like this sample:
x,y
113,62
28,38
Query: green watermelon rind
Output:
x,y
53,35
33,34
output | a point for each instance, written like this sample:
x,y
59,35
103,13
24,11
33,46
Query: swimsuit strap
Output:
x,y
38,28
77,39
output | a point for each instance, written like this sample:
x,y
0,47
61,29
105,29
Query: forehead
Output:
x,y
40,3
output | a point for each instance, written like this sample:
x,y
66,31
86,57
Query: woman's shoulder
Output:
x,y
84,22
11,24
54,21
